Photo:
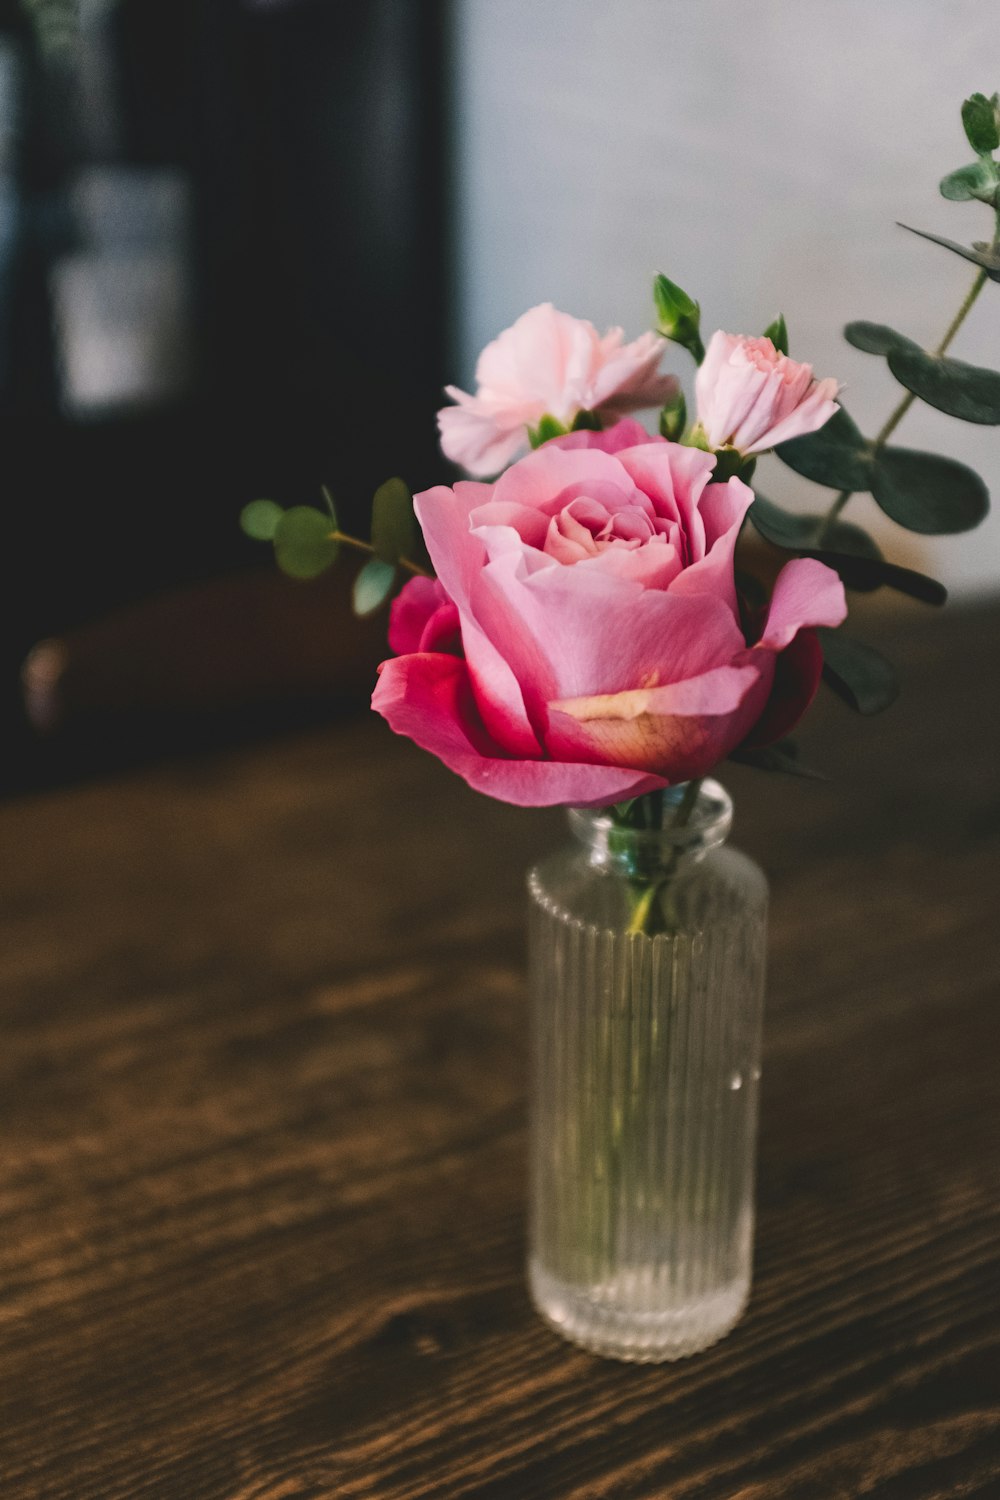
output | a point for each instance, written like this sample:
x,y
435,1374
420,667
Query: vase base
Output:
x,y
587,1318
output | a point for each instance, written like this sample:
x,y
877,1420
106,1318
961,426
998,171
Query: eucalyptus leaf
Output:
x,y
857,673
978,179
837,455
927,493
303,545
777,332
876,338
784,756
865,574
394,528
373,586
804,533
965,391
984,256
979,117
260,519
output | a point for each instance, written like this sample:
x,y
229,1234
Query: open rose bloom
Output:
x,y
582,642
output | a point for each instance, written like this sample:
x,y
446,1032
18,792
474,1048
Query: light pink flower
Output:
x,y
751,397
548,364
602,651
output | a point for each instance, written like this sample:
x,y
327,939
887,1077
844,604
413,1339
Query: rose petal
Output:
x,y
806,592
429,699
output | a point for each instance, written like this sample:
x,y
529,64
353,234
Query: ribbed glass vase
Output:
x,y
647,951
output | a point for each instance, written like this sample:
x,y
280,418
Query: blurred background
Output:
x,y
244,243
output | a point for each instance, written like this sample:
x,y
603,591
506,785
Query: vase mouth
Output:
x,y
706,827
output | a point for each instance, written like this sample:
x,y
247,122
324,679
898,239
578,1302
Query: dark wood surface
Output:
x,y
262,1104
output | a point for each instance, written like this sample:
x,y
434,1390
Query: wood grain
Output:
x,y
262,1105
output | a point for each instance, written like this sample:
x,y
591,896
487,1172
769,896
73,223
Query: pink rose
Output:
x,y
751,397
602,652
548,364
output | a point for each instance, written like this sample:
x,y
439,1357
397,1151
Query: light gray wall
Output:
x,y
758,152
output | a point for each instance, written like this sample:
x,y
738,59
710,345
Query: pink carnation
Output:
x,y
752,397
589,595
548,364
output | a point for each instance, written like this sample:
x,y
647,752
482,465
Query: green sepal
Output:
x,y
303,546
980,253
980,120
977,180
673,418
260,518
778,334
730,463
678,316
394,527
837,455
968,392
548,427
876,338
373,586
586,421
857,673
927,493
783,757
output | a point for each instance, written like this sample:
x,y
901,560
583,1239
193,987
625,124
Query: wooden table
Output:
x,y
263,1134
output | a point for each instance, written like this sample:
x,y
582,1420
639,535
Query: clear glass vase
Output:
x,y
647,951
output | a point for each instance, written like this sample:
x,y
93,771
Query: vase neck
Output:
x,y
675,839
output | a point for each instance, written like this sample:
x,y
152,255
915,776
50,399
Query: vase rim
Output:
x,y
707,827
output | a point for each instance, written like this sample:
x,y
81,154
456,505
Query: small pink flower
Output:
x,y
751,397
548,364
582,642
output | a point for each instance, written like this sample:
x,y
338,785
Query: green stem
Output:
x,y
403,562
896,416
645,901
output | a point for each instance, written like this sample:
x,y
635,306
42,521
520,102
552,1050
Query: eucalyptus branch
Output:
x,y
356,542
896,416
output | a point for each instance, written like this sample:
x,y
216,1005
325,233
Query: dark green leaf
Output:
x,y
979,117
373,586
784,756
394,528
783,527
678,316
865,574
986,257
673,417
927,493
303,545
778,334
857,673
837,455
978,179
260,519
876,338
964,391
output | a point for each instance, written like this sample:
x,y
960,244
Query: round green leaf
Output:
x,y
964,391
876,338
783,527
857,673
976,180
837,455
373,586
979,117
303,545
927,493
394,529
260,519
865,574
